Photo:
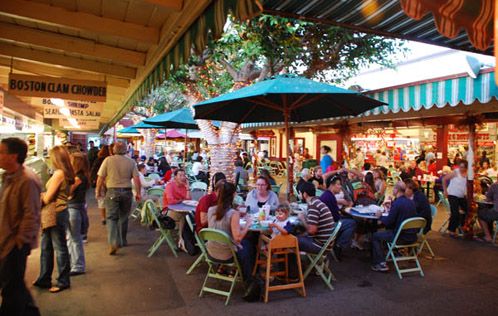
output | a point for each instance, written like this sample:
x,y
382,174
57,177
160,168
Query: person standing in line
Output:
x,y
456,192
54,238
19,224
77,213
116,173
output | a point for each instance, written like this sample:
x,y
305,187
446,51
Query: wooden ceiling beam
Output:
x,y
68,61
175,5
61,17
70,44
55,71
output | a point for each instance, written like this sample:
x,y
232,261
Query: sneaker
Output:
x,y
380,267
356,245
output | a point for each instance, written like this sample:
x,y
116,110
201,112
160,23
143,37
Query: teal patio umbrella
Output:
x,y
129,130
180,119
285,98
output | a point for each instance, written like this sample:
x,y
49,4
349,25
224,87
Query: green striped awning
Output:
x,y
438,93
421,96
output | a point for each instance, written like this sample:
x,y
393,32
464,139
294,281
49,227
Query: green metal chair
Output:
x,y
214,235
276,188
396,256
319,192
198,189
446,205
164,234
200,244
320,263
423,238
155,192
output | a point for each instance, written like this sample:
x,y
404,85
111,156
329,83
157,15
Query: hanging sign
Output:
x,y
38,86
76,109
84,124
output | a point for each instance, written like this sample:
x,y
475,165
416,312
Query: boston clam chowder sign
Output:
x,y
38,86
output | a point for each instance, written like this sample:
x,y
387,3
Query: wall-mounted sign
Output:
x,y
84,124
38,86
76,109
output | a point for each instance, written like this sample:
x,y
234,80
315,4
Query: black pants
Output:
x,y
16,299
457,219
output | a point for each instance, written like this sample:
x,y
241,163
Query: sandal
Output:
x,y
57,289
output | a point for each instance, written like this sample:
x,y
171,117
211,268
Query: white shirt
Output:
x,y
197,167
458,185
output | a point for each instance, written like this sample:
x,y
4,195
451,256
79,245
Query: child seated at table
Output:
x,y
281,224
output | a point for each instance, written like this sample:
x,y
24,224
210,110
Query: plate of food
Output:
x,y
190,202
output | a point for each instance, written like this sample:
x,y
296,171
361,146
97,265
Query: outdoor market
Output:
x,y
262,156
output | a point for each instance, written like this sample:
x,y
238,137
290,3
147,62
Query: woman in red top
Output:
x,y
207,201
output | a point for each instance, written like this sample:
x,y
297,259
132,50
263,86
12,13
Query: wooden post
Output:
x,y
472,207
442,146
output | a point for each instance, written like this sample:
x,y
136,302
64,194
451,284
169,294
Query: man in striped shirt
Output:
x,y
318,221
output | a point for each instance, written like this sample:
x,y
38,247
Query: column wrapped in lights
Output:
x,y
149,136
222,146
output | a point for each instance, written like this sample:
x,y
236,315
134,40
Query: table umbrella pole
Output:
x,y
185,148
289,157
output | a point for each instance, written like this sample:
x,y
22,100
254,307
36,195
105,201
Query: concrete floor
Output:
x,y
462,280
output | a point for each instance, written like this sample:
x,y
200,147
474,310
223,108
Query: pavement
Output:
x,y
461,280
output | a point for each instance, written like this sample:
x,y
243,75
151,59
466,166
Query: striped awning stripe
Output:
x,y
464,24
423,96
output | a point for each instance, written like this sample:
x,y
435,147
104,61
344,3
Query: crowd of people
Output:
x,y
329,191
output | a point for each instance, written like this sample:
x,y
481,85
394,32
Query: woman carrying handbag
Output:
x,y
55,218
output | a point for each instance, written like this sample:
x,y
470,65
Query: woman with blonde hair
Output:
x,y
77,213
53,238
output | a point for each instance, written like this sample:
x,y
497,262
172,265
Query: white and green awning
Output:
x,y
439,93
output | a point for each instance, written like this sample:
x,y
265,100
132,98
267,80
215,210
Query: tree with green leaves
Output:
x,y
267,45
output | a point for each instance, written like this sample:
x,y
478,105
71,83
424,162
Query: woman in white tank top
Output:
x,y
456,192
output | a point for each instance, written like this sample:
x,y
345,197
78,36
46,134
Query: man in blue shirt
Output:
x,y
348,226
401,209
326,159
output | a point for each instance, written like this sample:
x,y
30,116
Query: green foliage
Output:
x,y
266,45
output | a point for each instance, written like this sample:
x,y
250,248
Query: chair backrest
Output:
x,y
199,241
319,192
283,241
199,186
152,212
155,192
327,246
154,176
433,211
410,223
215,235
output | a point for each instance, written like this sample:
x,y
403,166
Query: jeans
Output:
x,y
54,239
457,219
306,244
118,205
16,299
346,232
377,239
247,258
85,223
75,239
